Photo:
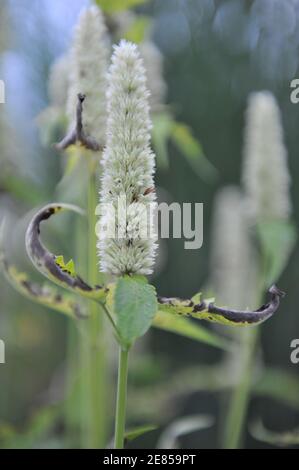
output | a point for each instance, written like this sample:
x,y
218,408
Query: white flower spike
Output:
x,y
266,175
128,194
89,64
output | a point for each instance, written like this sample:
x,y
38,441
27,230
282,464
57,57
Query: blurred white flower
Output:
x,y
265,173
89,62
233,257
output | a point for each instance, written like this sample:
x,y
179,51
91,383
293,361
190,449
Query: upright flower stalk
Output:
x,y
266,182
89,64
234,278
127,242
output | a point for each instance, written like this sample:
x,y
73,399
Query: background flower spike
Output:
x,y
206,310
49,264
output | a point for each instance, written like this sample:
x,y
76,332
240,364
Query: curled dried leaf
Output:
x,y
206,310
52,266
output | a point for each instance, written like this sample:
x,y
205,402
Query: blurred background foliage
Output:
x,y
215,54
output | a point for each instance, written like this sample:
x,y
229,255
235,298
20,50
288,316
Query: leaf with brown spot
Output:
x,y
42,294
52,266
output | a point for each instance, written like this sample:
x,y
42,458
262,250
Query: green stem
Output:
x,y
83,349
112,323
239,400
74,415
95,436
71,404
121,400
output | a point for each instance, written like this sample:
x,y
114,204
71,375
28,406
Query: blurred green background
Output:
x,y
215,54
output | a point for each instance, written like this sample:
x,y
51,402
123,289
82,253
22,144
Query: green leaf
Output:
x,y
45,295
137,432
161,132
113,6
68,267
191,149
138,31
184,327
207,310
135,305
277,241
280,439
186,142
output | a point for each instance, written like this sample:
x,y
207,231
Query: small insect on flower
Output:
x,y
148,191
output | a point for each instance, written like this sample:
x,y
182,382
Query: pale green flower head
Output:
x,y
89,64
265,173
128,168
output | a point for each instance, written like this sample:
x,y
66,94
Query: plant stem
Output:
x,y
239,400
121,400
96,360
71,404
74,413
